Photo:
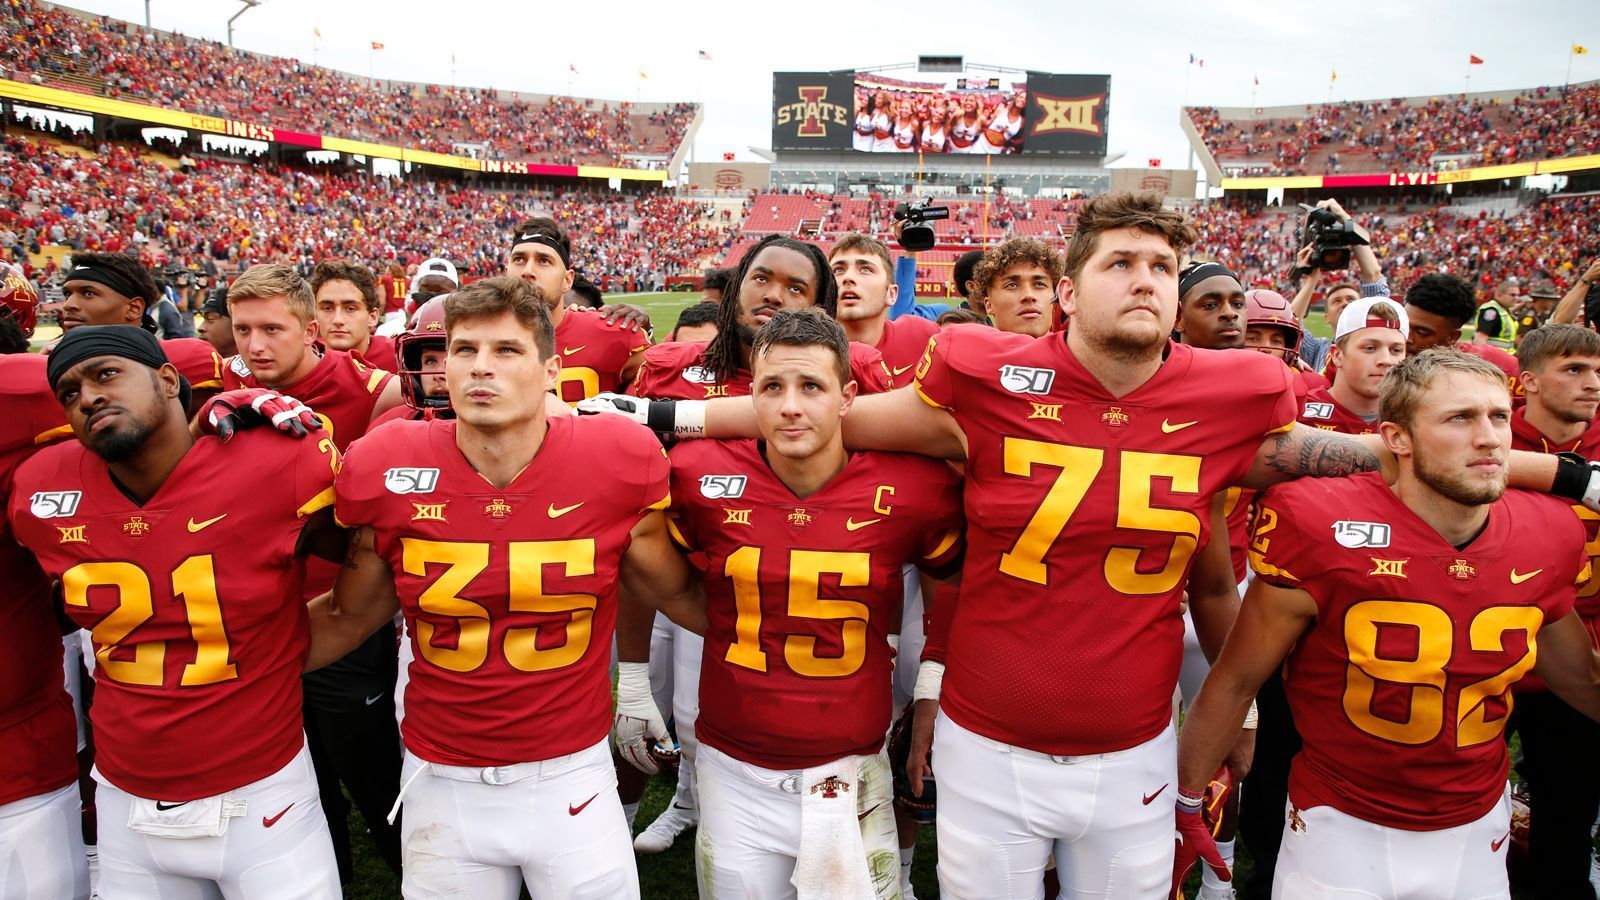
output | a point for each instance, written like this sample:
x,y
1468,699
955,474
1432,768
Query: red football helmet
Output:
x,y
18,298
1269,309
426,333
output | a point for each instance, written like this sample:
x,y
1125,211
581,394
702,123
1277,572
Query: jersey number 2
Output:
x,y
194,580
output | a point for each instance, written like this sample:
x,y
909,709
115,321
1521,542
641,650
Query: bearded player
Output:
x,y
41,836
1561,383
117,289
350,717
1405,614
205,784
348,310
597,354
804,547
1090,472
506,557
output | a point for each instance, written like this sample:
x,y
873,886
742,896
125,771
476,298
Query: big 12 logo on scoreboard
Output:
x,y
812,110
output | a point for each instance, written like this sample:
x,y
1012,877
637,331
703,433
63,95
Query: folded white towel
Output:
x,y
849,849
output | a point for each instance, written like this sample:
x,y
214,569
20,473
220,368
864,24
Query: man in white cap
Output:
x,y
1369,341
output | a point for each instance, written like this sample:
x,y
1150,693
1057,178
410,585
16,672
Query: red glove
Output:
x,y
248,407
1194,841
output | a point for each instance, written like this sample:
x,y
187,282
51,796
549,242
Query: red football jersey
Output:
x,y
342,390
593,353
199,644
1401,688
803,594
904,341
1085,511
1526,437
38,734
196,360
1320,410
380,354
394,293
1502,360
672,371
510,596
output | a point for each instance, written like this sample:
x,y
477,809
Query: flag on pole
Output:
x,y
1579,49
642,74
572,68
704,56
1258,80
1474,61
1202,64
1334,77
316,31
1191,59
376,45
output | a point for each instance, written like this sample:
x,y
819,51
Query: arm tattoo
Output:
x,y
353,552
1318,453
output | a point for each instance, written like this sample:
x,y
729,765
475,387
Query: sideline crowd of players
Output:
x,y
1017,531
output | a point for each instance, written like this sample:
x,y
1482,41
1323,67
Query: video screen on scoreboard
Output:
x,y
1040,114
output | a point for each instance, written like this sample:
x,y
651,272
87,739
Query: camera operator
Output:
x,y
1314,350
1573,308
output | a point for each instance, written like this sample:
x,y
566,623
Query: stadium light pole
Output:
x,y
248,5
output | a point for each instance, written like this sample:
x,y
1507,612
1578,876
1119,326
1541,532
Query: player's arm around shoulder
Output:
x,y
1567,658
363,595
653,571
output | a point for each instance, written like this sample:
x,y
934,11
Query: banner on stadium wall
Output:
x,y
1166,182
936,290
38,95
1414,179
811,110
733,177
1067,115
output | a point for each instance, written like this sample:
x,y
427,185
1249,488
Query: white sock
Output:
x,y
631,812
91,852
1208,878
906,855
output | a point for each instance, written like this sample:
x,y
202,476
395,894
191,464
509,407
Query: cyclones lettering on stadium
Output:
x,y
1068,114
812,112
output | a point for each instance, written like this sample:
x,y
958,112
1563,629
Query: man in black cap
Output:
x,y
118,289
191,589
216,325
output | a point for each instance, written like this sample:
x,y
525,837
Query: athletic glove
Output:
x,y
249,407
1578,480
1194,841
679,418
638,723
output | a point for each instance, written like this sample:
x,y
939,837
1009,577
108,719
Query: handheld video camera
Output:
x,y
1331,239
916,234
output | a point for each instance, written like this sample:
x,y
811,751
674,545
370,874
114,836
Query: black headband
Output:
x,y
123,341
111,278
539,237
1200,271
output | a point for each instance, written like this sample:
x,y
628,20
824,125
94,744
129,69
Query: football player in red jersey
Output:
x,y
348,309
1211,306
1015,284
1406,614
117,289
1437,305
1561,378
791,697
864,272
41,836
350,717
1369,341
506,560
205,785
776,273
596,353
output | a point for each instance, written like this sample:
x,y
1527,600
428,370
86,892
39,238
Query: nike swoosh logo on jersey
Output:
x,y
574,810
862,817
901,371
1494,846
372,700
1517,578
268,823
201,526
1148,798
571,350
1167,427
163,807
853,525
556,513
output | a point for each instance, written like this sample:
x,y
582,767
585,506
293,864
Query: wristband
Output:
x,y
1573,478
930,677
1190,801
689,418
1251,718
633,673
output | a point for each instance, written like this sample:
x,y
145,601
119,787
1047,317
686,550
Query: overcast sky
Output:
x,y
1379,49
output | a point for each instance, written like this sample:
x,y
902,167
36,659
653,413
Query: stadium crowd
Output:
x,y
61,48
120,197
1392,135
